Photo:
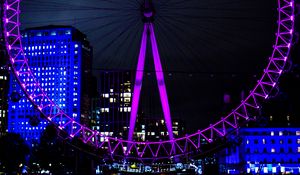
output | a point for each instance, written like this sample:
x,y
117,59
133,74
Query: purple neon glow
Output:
x,y
149,150
161,83
138,83
148,28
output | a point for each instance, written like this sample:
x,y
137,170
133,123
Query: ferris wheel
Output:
x,y
153,150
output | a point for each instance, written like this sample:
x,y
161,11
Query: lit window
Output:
x,y
274,170
272,133
298,141
280,133
264,141
281,141
266,170
298,133
298,149
273,150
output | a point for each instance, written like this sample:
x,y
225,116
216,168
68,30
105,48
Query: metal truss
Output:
x,y
112,146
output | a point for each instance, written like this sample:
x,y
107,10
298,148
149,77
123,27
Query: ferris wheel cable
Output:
x,y
135,30
122,41
85,23
197,27
60,4
183,39
172,40
47,10
95,28
130,23
165,38
117,3
184,16
80,20
208,3
220,33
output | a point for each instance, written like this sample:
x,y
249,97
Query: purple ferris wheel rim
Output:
x,y
115,147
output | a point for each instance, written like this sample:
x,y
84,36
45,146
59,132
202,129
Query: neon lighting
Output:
x,y
148,28
153,150
138,84
161,83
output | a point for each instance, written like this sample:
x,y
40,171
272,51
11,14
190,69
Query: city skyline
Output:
x,y
195,62
249,113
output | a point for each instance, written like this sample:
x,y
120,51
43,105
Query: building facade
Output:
x,y
264,151
61,59
155,129
4,86
4,82
111,108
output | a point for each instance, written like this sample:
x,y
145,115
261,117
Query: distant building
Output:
x,y
264,150
111,109
155,129
4,84
61,59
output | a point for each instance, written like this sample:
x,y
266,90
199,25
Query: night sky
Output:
x,y
207,48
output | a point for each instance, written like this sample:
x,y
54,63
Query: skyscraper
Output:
x,y
61,59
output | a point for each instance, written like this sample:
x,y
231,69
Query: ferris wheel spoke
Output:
x,y
120,33
178,47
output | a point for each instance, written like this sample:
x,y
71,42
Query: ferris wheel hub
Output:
x,y
148,11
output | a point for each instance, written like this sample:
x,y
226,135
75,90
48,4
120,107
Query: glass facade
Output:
x,y
60,58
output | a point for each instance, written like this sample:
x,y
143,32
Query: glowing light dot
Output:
x,y
289,45
6,20
292,18
72,135
291,4
280,72
9,47
7,7
274,84
266,96
291,31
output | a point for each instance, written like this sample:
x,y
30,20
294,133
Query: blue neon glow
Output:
x,y
51,56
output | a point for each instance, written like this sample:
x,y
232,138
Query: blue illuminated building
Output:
x,y
264,151
61,59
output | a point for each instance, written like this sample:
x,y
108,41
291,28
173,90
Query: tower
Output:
x,y
61,58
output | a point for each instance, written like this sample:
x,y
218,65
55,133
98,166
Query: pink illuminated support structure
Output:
x,y
117,147
149,30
